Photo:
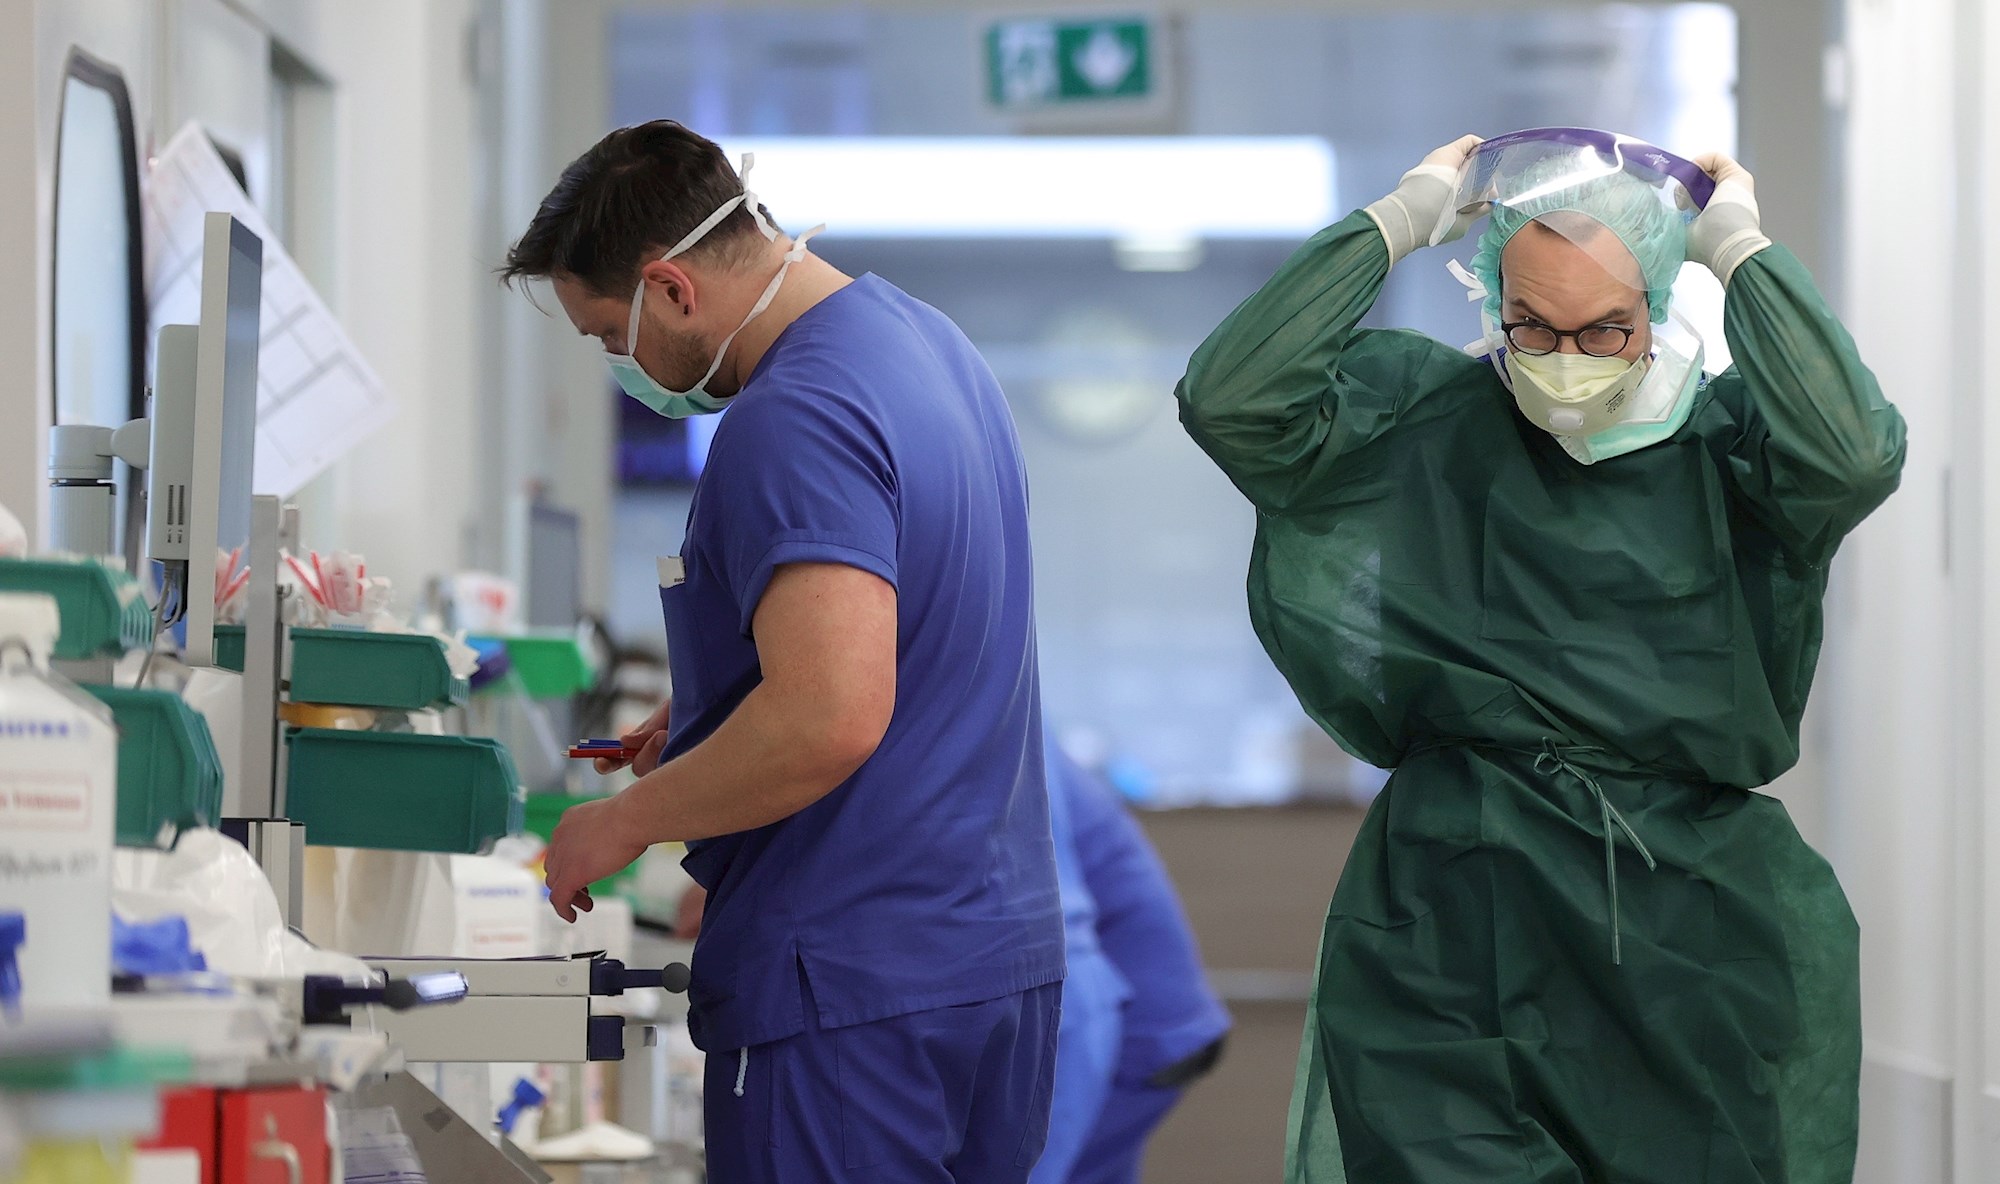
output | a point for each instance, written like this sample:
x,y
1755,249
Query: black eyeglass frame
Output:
x,y
1507,329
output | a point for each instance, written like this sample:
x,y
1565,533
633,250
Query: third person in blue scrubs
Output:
x,y
854,750
1140,1022
1094,993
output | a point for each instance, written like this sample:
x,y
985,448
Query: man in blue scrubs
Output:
x,y
1168,1027
854,754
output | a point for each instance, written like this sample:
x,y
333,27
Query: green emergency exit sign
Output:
x,y
1046,62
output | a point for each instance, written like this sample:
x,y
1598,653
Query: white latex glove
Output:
x,y
1409,215
1729,228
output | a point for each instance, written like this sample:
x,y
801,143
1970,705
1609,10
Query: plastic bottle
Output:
x,y
684,1073
58,813
81,1137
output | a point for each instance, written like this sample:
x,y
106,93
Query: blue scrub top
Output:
x,y
1172,1013
873,435
1079,907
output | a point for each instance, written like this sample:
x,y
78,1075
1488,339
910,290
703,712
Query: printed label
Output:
x,y
37,729
499,940
58,801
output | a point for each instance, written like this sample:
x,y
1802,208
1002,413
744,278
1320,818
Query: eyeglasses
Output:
x,y
1599,341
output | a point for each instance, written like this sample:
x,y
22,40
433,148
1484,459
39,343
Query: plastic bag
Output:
x,y
232,913
232,586
374,1149
13,536
333,589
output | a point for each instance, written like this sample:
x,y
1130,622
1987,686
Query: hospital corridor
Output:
x,y
1010,592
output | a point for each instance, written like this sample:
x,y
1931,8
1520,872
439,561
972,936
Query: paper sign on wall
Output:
x,y
317,397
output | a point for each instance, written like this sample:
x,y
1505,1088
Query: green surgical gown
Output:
x,y
1571,944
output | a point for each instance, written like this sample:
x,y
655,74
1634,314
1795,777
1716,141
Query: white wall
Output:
x,y
396,238
544,92
408,275
23,365
37,35
1912,678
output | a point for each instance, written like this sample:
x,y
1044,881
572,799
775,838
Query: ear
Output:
x,y
673,282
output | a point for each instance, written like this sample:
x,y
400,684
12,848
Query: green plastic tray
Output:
x,y
169,775
229,647
111,1069
546,809
551,665
393,791
104,611
355,668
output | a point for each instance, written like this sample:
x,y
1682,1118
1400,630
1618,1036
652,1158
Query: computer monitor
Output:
x,y
654,451
555,554
205,426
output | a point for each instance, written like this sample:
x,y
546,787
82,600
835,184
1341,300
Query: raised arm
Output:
x,y
1820,447
1262,394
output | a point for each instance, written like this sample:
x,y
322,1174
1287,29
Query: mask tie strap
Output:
x,y
797,252
1493,343
750,201
747,200
1475,289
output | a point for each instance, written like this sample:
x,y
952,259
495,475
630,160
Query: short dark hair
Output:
x,y
636,193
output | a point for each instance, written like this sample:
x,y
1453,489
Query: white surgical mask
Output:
x,y
1658,409
697,400
1648,400
1572,394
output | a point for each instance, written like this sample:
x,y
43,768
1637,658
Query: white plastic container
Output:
x,y
58,816
497,908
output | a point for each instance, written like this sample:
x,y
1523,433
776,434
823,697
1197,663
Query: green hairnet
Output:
x,y
1622,203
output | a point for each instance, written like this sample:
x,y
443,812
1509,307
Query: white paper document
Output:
x,y
316,395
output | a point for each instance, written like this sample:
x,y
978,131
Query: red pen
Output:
x,y
584,750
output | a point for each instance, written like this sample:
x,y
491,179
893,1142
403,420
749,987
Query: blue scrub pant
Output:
x,y
958,1095
1086,1060
1118,1142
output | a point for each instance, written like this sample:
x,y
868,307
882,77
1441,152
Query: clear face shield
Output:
x,y
1526,170
1575,271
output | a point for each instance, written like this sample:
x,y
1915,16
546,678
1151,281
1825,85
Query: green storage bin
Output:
x,y
229,647
394,791
551,665
115,1068
104,611
544,810
169,774
356,668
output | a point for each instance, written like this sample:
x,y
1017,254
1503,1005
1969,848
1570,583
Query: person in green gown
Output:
x,y
1572,944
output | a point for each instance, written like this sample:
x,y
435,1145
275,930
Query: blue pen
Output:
x,y
584,750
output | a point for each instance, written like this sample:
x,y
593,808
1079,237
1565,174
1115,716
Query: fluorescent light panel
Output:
x,y
1117,187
